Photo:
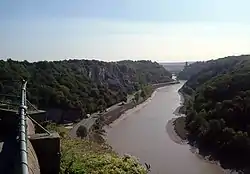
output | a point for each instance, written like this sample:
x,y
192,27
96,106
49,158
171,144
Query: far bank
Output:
x,y
176,126
141,132
97,121
111,116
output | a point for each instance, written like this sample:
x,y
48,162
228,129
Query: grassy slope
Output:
x,y
83,156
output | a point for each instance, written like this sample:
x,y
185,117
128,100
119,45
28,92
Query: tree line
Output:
x,y
88,85
218,113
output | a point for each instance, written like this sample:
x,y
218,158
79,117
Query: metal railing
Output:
x,y
23,131
12,102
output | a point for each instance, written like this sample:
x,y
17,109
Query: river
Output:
x,y
141,132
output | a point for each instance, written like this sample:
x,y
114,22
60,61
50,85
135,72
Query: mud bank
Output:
x,y
118,114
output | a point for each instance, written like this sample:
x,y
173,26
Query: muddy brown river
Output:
x,y
141,132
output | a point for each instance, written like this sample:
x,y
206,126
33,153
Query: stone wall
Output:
x,y
43,149
116,113
34,167
58,115
33,164
47,148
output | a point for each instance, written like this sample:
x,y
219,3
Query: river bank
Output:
x,y
136,108
115,114
177,132
176,126
112,114
172,133
141,132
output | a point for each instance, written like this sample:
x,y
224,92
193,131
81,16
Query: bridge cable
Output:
x,y
38,125
35,120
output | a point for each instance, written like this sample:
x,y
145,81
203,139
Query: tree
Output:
x,y
137,97
143,95
82,131
124,99
78,84
218,116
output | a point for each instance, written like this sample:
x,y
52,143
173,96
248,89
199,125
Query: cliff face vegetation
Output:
x,y
86,85
218,114
80,156
211,68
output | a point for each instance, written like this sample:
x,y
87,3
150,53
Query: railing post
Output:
x,y
23,131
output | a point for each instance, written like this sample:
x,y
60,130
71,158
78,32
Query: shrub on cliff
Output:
x,y
87,157
81,156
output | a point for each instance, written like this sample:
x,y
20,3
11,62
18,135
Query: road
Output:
x,y
73,131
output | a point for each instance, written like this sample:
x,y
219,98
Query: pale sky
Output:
x,y
159,30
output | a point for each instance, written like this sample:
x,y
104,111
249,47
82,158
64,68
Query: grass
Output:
x,y
79,156
179,127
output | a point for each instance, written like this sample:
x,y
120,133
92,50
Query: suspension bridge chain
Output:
x,y
20,107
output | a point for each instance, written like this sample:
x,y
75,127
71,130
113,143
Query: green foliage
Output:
x,y
199,72
87,85
143,94
79,156
147,71
218,116
82,131
146,91
99,164
137,97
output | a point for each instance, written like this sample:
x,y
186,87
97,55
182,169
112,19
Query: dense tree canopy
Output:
x,y
87,84
218,115
209,69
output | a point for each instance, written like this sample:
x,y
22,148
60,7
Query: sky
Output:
x,y
110,30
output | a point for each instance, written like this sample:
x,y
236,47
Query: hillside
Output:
x,y
190,70
210,68
85,85
218,115
80,156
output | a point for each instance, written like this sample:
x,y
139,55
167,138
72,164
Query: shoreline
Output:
x,y
169,128
173,134
171,124
175,137
116,112
136,107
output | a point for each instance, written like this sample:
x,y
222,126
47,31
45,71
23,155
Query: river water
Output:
x,y
141,132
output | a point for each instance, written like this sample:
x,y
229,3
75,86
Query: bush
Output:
x,y
81,156
82,131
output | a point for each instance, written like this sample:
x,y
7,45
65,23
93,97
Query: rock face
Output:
x,y
124,73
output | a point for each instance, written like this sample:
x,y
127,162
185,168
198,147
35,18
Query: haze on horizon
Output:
x,y
109,30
